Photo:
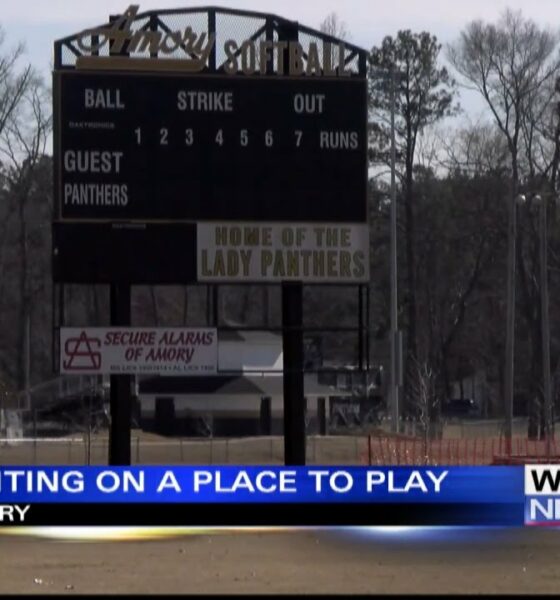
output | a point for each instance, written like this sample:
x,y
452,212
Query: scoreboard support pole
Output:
x,y
292,346
292,342
120,395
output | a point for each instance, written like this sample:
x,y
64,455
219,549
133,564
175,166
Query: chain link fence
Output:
x,y
70,419
84,449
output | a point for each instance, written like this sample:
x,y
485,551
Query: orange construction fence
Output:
x,y
463,451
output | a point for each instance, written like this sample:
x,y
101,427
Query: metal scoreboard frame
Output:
x,y
211,145
172,118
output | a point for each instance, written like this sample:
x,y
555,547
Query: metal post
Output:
x,y
361,330
367,327
292,346
292,334
215,305
322,415
34,436
393,382
545,329
510,322
120,395
120,392
265,421
209,298
27,373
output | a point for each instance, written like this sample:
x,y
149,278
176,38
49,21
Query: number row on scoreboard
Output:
x,y
329,139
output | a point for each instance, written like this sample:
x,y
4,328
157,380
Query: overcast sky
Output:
x,y
39,22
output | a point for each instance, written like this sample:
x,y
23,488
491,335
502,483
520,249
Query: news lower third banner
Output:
x,y
280,496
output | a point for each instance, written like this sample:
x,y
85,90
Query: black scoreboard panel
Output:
x,y
143,147
153,253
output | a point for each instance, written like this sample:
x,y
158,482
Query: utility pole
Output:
x,y
510,319
545,327
394,390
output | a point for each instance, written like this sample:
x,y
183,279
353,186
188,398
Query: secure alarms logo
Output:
x,y
542,495
81,354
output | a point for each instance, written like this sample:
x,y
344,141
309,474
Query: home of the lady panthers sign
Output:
x,y
275,252
159,121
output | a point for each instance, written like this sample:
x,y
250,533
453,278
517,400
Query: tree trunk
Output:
x,y
25,304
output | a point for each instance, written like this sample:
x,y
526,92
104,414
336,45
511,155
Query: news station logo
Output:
x,y
542,495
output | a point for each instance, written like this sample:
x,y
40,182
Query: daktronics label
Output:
x,y
138,350
542,495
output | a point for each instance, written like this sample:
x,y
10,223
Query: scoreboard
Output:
x,y
157,147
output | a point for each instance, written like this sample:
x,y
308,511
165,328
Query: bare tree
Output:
x,y
23,144
476,150
333,25
509,64
13,85
425,402
421,93
13,82
514,66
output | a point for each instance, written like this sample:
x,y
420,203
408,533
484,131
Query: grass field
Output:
x,y
380,449
149,448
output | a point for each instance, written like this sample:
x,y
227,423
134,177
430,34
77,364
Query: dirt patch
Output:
x,y
520,561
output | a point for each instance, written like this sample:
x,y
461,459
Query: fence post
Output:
x,y
265,420
322,415
34,436
384,443
315,450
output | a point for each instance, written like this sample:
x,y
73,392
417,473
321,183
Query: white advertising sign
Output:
x,y
138,350
317,253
